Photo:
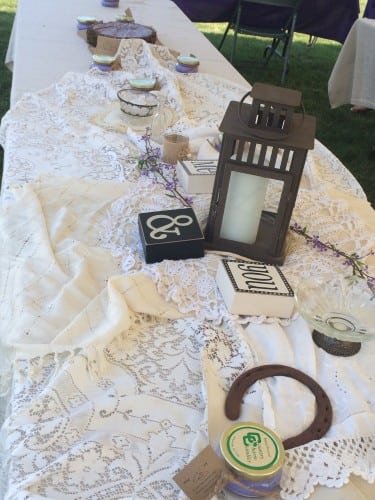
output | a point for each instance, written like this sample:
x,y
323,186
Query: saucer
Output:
x,y
113,119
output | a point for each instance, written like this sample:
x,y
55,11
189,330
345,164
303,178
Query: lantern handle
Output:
x,y
261,133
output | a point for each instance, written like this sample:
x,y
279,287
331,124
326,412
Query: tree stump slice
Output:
x,y
120,30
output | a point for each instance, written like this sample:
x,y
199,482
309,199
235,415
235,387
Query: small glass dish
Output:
x,y
143,83
137,102
103,62
340,309
103,59
86,20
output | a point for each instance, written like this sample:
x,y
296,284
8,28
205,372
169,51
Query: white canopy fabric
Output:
x,y
352,77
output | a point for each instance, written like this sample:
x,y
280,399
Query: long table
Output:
x,y
114,372
331,19
45,44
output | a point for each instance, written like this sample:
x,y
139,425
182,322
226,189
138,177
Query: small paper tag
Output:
x,y
203,477
106,46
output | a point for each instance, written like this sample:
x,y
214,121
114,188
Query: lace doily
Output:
x,y
71,108
191,283
121,420
73,428
355,455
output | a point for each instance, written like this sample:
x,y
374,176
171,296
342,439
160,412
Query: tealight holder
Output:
x,y
84,22
187,64
340,311
175,147
103,62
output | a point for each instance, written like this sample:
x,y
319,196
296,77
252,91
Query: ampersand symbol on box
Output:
x,y
161,232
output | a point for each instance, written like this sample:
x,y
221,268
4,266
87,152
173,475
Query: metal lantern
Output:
x,y
262,156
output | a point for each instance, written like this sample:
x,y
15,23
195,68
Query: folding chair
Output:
x,y
280,35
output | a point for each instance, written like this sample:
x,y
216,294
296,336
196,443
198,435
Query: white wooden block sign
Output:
x,y
197,176
254,289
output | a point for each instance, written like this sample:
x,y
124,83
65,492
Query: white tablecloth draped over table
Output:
x,y
353,76
114,372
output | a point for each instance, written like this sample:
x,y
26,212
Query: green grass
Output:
x,y
7,10
350,136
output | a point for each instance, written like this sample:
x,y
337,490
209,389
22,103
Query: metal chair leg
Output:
x,y
224,36
235,32
234,45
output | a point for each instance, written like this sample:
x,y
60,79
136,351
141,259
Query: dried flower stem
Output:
x,y
359,268
151,165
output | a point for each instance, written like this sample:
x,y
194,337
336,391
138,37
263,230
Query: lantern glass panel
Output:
x,y
271,213
273,195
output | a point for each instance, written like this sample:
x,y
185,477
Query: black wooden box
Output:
x,y
170,234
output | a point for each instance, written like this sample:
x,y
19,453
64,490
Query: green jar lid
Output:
x,y
252,450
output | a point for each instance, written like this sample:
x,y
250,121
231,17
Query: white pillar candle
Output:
x,y
243,207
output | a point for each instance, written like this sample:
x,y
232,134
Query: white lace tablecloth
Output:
x,y
114,373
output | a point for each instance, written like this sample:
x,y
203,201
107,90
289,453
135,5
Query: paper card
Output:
x,y
203,477
106,46
82,34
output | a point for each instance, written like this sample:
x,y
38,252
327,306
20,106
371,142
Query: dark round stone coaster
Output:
x,y
335,346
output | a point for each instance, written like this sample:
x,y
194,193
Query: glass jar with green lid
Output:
x,y
256,455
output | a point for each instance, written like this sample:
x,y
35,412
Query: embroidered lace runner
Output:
x,y
84,106
103,358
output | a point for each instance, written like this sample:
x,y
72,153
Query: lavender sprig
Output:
x,y
151,165
353,260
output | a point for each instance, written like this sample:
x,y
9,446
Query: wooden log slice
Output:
x,y
119,30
